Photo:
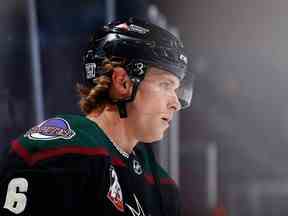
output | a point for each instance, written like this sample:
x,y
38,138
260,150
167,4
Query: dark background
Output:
x,y
238,49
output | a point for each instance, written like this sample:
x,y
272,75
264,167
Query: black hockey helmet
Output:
x,y
138,44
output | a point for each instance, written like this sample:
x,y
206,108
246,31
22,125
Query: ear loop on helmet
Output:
x,y
136,72
121,104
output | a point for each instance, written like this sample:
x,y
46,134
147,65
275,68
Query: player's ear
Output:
x,y
121,83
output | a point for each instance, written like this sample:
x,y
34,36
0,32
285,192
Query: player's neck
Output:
x,y
116,130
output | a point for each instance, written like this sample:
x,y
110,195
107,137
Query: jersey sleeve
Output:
x,y
68,184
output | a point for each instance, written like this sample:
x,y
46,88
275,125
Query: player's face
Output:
x,y
151,112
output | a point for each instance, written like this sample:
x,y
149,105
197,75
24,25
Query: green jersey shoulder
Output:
x,y
61,135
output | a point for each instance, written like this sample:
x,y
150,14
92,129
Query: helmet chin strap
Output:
x,y
121,106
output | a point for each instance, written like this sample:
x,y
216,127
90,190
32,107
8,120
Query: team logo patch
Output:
x,y
54,128
115,193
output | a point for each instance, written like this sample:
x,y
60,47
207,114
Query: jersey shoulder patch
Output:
x,y
61,135
51,129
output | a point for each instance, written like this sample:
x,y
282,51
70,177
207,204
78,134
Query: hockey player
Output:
x,y
134,79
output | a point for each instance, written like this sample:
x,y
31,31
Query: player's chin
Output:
x,y
153,137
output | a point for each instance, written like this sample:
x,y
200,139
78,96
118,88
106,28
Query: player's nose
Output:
x,y
174,103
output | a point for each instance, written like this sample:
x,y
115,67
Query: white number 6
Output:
x,y
16,200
